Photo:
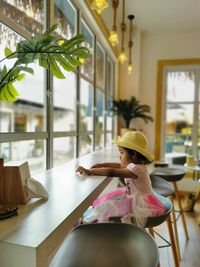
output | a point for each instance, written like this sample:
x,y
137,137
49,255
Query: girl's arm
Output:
x,y
111,172
107,164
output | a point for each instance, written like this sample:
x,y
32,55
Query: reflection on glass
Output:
x,y
28,14
33,151
65,103
109,114
88,67
8,38
177,144
85,144
109,79
65,15
63,149
100,66
198,128
109,139
180,86
179,118
28,113
86,106
99,120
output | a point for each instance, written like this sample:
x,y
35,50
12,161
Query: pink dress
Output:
x,y
133,204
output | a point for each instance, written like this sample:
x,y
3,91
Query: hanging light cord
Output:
x,y
115,4
123,25
130,44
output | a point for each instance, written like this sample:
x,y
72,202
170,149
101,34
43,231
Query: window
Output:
x,y
180,118
55,120
28,14
109,98
99,121
88,68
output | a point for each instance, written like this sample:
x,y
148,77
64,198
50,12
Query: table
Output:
x,y
195,171
196,176
32,238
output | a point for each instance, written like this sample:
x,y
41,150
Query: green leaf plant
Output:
x,y
130,109
48,49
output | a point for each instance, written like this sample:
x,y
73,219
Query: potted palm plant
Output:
x,y
49,50
130,109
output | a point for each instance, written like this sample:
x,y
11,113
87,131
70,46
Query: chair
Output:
x,y
107,245
173,175
157,220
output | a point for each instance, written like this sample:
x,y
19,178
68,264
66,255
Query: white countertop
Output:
x,y
42,225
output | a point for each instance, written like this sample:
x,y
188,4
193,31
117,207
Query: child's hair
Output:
x,y
138,157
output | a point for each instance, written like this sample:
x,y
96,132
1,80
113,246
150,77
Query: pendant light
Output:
x,y
122,55
99,5
114,40
130,44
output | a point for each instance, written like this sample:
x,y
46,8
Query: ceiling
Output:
x,y
159,15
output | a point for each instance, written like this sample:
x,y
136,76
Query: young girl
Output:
x,y
136,202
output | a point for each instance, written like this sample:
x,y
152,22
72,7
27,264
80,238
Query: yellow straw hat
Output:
x,y
136,141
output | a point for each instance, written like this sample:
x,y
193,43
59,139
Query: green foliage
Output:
x,y
131,109
48,50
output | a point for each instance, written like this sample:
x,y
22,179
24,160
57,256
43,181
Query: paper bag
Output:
x,y
17,186
12,183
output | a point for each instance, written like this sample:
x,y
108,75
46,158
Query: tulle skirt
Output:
x,y
131,209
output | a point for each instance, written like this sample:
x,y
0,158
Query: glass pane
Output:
x,y
180,86
8,38
28,113
85,142
63,149
109,139
27,14
88,67
99,127
86,106
65,103
33,151
176,144
198,128
65,16
100,66
109,78
109,115
179,118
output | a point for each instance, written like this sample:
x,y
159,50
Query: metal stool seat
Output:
x,y
173,175
169,174
107,245
161,186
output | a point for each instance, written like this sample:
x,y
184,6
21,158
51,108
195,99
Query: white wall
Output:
x,y
156,47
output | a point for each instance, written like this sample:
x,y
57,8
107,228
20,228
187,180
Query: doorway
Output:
x,y
178,111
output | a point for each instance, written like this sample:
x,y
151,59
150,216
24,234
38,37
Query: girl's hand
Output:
x,y
83,171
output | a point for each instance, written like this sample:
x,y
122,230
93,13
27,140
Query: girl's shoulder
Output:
x,y
136,167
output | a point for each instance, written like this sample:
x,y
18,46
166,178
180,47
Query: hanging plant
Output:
x,y
49,50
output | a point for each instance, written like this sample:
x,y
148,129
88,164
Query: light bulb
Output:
x,y
130,69
113,38
99,5
122,57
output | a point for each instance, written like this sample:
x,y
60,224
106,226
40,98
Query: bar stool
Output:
x,y
163,188
107,245
157,220
173,175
